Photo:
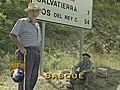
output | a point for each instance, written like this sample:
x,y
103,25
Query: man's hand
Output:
x,y
23,50
88,70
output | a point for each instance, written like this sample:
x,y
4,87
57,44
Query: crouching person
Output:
x,y
86,67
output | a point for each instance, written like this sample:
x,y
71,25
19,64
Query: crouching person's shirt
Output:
x,y
85,65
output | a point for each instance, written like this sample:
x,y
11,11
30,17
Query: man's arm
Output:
x,y
92,66
88,70
14,39
77,65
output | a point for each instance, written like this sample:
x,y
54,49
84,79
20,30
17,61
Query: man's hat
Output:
x,y
32,6
86,54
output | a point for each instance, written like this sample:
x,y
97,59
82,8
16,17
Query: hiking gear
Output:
x,y
17,75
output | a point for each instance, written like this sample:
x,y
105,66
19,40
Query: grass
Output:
x,y
69,60
53,63
66,60
107,60
61,52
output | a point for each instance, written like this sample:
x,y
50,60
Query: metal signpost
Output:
x,y
77,13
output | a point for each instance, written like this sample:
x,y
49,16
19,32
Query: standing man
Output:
x,y
26,35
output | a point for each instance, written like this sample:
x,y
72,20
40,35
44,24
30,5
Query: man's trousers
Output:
x,y
32,61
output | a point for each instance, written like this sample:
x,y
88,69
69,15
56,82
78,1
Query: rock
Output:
x,y
65,86
102,72
118,88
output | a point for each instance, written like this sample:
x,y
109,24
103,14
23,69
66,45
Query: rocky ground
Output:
x,y
109,82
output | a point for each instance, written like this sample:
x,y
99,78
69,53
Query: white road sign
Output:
x,y
70,12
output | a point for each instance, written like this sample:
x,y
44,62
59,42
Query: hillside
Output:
x,y
62,44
